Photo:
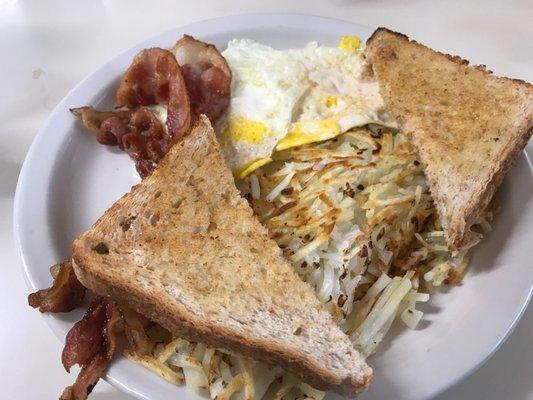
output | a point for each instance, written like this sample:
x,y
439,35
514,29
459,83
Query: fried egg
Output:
x,y
286,98
266,86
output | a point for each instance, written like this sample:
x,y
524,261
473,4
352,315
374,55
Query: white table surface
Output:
x,y
46,47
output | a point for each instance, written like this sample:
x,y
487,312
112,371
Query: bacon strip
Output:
x,y
65,294
154,77
86,380
207,76
91,343
138,132
93,119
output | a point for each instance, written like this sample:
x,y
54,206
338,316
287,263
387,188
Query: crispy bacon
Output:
x,y
93,120
154,77
66,293
86,380
91,343
207,76
111,131
138,132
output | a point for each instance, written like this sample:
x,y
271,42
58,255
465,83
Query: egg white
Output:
x,y
286,98
266,86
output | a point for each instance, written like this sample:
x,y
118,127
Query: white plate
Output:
x,y
68,180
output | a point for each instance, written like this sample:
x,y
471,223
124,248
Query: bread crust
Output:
x,y
117,273
452,135
376,35
184,326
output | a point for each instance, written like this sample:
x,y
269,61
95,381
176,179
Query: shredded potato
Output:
x,y
355,218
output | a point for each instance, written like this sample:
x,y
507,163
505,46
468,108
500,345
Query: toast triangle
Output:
x,y
468,126
184,249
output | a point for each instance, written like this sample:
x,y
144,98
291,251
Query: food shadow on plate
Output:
x,y
505,383
67,318
485,256
398,328
111,395
387,391
513,199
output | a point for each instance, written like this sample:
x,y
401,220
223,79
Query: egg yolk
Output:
x,y
349,43
251,167
240,128
309,132
331,101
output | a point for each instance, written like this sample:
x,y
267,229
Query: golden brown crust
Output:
x,y
454,58
467,125
183,326
184,249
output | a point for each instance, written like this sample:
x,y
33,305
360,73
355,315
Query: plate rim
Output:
x,y
25,174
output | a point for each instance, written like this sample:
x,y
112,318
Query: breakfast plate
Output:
x,y
67,181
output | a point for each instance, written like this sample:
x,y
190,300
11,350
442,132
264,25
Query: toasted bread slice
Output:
x,y
184,249
467,125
